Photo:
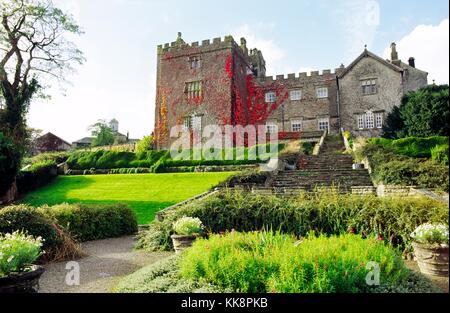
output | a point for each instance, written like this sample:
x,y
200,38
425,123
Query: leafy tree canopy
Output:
x,y
422,113
102,133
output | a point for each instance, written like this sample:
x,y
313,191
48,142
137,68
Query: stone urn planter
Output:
x,y
26,282
432,259
181,242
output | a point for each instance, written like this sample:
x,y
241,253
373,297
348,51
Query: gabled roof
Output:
x,y
54,137
367,53
84,140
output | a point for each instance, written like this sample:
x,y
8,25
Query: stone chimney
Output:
x,y
244,45
412,62
394,54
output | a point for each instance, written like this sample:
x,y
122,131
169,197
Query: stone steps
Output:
x,y
330,168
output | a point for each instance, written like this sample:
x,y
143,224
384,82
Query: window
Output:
x,y
271,97
370,121
195,62
295,95
187,123
324,124
322,92
379,120
193,90
193,122
271,127
296,126
361,121
369,87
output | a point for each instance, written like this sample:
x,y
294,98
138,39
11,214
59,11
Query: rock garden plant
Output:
x,y
430,243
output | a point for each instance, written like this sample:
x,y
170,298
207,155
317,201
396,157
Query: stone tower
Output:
x,y
197,83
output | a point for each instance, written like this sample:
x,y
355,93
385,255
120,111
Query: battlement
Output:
x,y
325,74
180,45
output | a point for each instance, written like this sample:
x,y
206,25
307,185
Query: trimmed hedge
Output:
x,y
58,246
37,176
93,222
327,212
157,161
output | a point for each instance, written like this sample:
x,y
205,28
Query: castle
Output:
x,y
224,83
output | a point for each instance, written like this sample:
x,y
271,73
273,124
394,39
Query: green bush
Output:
x,y
328,212
86,222
440,154
9,164
58,245
144,145
393,169
57,157
411,146
268,262
18,252
249,177
37,176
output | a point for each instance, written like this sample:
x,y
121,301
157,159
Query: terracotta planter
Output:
x,y
432,260
27,282
181,243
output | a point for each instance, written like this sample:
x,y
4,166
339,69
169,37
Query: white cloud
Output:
x,y
273,54
359,20
429,45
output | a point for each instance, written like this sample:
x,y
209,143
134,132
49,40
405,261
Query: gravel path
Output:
x,y
107,261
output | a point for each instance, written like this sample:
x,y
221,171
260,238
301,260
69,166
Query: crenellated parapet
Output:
x,y
180,46
302,77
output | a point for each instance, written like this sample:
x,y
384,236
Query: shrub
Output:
x,y
269,262
440,154
328,212
414,147
248,177
163,276
86,222
9,163
431,234
144,145
18,252
390,168
37,176
188,226
57,157
58,245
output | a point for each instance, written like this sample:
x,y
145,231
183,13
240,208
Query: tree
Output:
x,y
33,49
144,145
9,164
102,133
422,113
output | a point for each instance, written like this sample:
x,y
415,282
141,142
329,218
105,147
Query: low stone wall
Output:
x,y
179,169
395,191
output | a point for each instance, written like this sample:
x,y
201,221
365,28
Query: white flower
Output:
x,y
11,257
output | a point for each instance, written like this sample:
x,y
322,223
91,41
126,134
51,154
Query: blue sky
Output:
x,y
118,79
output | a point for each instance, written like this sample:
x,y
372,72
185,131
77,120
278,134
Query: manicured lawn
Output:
x,y
145,193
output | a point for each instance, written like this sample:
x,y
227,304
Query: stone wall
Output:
x,y
353,102
309,109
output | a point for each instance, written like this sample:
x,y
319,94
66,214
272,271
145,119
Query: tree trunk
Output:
x,y
10,195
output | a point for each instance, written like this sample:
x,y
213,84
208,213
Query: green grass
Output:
x,y
145,193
